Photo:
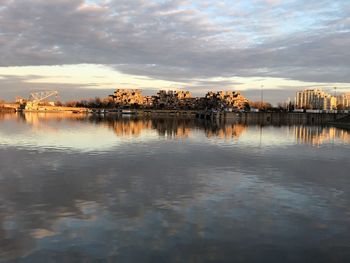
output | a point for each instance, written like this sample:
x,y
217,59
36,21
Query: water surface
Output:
x,y
76,188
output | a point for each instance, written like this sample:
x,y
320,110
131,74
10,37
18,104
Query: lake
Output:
x,y
77,188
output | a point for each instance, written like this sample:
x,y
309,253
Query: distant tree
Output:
x,y
136,106
91,103
281,106
260,105
340,106
98,102
108,103
291,106
82,103
246,106
71,103
285,106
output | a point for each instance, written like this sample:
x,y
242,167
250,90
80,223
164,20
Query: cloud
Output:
x,y
182,40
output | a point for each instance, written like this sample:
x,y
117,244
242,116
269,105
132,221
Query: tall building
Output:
x,y
343,101
315,99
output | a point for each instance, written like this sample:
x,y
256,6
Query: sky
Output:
x,y
88,48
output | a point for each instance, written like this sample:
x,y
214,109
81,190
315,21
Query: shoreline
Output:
x,y
336,119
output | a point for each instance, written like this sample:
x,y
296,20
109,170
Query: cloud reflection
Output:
x,y
166,189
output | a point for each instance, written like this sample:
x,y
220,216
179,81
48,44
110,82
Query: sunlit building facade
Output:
x,y
175,99
315,99
227,99
343,101
128,97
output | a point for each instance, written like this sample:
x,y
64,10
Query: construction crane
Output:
x,y
42,95
36,98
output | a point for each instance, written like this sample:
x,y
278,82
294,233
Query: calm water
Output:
x,y
85,189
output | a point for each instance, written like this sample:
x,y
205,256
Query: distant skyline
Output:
x,y
87,48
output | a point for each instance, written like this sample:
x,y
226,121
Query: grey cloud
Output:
x,y
175,41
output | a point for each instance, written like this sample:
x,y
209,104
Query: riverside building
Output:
x,y
315,99
174,99
179,100
128,97
343,101
227,99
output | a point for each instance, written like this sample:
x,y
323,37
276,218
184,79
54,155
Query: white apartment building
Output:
x,y
315,99
344,100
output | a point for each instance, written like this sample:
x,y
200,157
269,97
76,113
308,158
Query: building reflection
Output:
x,y
125,127
42,120
226,131
6,116
174,128
170,128
318,135
36,117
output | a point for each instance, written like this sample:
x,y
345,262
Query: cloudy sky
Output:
x,y
85,48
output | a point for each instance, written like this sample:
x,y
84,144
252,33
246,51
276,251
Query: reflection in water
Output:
x,y
170,128
175,127
316,135
87,189
225,131
126,127
6,116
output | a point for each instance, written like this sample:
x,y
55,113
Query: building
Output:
x,y
315,99
148,101
174,99
226,99
179,100
127,97
343,101
329,103
181,94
